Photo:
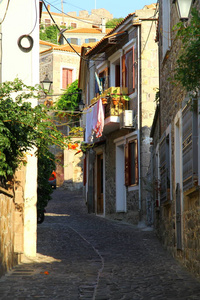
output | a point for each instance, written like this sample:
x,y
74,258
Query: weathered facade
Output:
x,y
70,19
18,221
61,64
124,62
175,152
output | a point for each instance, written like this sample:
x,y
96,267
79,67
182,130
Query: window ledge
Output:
x,y
190,192
133,188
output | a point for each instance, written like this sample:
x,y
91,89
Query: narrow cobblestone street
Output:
x,y
82,256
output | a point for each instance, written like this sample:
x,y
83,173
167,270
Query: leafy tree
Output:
x,y
114,22
187,71
23,127
49,34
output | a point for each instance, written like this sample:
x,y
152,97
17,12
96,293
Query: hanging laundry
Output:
x,y
89,125
99,121
94,121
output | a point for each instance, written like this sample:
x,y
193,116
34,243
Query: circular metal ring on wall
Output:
x,y
29,38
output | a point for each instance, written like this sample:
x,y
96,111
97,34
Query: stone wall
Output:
x,y
171,101
73,168
7,212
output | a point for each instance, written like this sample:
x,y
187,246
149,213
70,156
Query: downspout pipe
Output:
x,y
139,117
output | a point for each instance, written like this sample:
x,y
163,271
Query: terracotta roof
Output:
x,y
65,47
151,6
87,30
47,43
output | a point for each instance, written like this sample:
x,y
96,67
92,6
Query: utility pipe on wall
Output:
x,y
138,113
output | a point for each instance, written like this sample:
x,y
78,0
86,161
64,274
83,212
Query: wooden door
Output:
x,y
100,184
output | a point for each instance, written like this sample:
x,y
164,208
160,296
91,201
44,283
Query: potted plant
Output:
x,y
116,97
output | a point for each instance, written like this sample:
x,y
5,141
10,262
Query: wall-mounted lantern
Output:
x,y
183,7
81,105
46,84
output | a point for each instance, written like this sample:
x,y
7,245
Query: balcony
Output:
x,y
114,106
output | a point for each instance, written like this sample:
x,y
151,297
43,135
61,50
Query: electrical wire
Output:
x,y
5,12
61,32
36,18
87,60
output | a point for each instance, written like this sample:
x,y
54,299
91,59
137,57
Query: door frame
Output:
x,y
178,180
121,199
99,151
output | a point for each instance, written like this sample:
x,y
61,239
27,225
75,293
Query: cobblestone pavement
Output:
x,y
82,256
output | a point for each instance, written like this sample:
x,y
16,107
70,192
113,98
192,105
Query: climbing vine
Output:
x,y
187,71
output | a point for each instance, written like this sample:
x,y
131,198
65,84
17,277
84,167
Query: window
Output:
x,y
165,31
66,77
165,177
128,71
63,23
74,41
90,40
190,146
73,25
131,163
47,22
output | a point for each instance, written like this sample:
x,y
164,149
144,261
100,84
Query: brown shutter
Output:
x,y
84,171
123,71
127,164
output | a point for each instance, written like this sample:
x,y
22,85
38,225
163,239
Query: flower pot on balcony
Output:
x,y
115,101
104,100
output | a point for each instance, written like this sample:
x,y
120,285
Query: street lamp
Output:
x,y
81,105
46,84
183,7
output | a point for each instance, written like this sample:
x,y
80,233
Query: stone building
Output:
x,y
174,166
124,63
71,20
61,64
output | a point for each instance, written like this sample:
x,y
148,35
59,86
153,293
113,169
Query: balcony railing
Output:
x,y
115,103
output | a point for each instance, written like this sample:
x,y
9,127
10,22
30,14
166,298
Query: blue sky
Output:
x,y
118,8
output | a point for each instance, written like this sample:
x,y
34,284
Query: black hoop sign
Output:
x,y
30,40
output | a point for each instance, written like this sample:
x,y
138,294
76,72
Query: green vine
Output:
x,y
187,71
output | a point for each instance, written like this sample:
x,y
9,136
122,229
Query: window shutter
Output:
x,y
64,78
190,147
131,163
133,67
126,164
69,81
136,162
163,170
123,71
85,171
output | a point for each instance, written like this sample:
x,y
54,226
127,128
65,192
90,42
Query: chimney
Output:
x,y
49,7
103,25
